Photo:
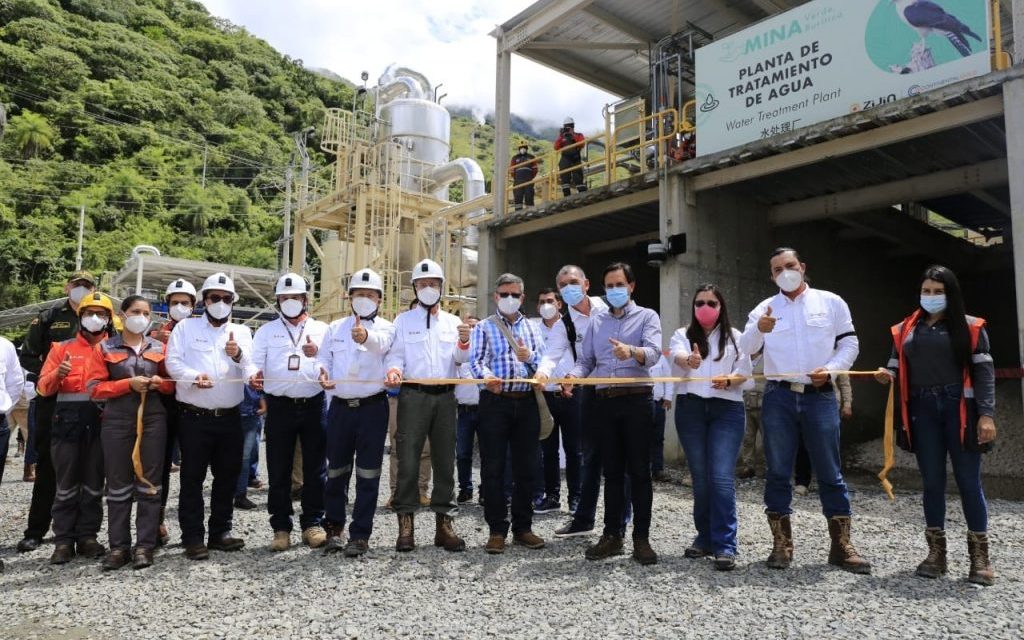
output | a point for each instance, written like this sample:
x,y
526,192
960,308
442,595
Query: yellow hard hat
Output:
x,y
96,299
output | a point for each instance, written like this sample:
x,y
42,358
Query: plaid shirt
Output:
x,y
491,355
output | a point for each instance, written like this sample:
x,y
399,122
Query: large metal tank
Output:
x,y
424,129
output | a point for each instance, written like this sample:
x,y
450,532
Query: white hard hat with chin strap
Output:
x,y
219,282
427,269
291,284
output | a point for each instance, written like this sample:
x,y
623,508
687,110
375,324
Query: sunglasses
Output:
x,y
711,303
213,298
509,294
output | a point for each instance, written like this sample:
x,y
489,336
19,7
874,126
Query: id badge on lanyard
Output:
x,y
294,360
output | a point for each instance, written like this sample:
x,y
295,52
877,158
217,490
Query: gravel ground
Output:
x,y
553,592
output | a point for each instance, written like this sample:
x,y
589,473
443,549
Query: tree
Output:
x,y
32,133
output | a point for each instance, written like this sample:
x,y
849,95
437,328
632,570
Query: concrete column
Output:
x,y
1013,107
502,125
488,267
1018,34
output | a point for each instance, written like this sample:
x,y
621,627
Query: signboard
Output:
x,y
829,58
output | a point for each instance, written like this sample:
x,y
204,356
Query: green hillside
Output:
x,y
471,139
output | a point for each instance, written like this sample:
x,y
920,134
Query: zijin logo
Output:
x,y
914,90
710,104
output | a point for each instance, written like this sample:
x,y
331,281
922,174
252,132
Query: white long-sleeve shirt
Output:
x,y
582,322
197,347
557,359
734,362
420,352
12,379
342,358
467,393
815,330
278,341
662,390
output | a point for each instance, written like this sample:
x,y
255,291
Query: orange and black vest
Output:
x,y
900,333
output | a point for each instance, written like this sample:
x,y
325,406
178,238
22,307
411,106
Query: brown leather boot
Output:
x,y
444,535
162,537
842,552
30,473
981,569
406,533
782,541
935,564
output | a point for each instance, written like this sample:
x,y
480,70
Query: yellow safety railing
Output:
x,y
1000,58
618,160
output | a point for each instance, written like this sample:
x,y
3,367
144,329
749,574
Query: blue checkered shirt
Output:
x,y
491,355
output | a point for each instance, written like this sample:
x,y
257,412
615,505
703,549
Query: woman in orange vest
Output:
x,y
127,366
946,388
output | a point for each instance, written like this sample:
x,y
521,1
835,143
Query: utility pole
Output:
x,y
286,253
81,234
205,150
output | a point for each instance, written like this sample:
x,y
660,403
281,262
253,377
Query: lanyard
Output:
x,y
295,341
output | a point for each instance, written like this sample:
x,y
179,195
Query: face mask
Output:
x,y
180,311
706,316
77,293
572,294
292,308
509,305
136,324
789,280
219,310
428,296
934,304
618,297
93,323
363,306
548,311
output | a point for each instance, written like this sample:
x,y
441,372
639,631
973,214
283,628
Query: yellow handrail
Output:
x,y
1000,58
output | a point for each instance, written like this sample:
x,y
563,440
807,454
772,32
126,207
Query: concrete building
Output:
x,y
853,194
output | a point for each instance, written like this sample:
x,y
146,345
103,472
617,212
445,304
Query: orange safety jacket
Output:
x,y
119,363
73,387
900,332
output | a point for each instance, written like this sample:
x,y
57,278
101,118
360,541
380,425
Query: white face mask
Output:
x,y
93,323
77,293
219,310
509,305
789,280
292,308
548,311
136,324
428,296
363,306
180,311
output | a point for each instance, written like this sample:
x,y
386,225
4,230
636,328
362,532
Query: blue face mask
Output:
x,y
572,294
934,304
618,297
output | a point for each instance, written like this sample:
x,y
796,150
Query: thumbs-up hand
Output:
x,y
694,360
65,367
309,349
231,348
464,330
766,323
359,334
256,381
522,351
621,351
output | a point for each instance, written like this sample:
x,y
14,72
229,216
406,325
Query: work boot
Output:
x,y
282,540
981,569
782,541
196,551
444,534
62,554
162,537
115,559
225,542
528,539
314,537
29,544
334,542
606,547
30,473
842,552
143,558
89,548
406,533
935,564
356,548
643,553
495,544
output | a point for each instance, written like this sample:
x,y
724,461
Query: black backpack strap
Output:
x,y
570,333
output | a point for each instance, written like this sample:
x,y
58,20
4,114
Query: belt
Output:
x,y
941,389
355,403
291,400
469,407
618,392
799,387
512,395
434,389
201,411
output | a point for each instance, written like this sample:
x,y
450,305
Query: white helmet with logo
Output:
x,y
568,121
366,279
219,282
427,269
181,286
290,284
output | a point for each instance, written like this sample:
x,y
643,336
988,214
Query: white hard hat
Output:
x,y
366,279
427,269
290,284
180,286
219,282
568,121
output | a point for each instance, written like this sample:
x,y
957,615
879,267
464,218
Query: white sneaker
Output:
x,y
800,490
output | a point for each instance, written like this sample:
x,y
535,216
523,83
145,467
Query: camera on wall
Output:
x,y
656,253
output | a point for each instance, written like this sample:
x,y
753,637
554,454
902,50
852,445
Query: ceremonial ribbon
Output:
x,y
137,451
888,451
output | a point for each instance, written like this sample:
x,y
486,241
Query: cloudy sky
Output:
x,y
447,40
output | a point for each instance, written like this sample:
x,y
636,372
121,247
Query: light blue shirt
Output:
x,y
638,326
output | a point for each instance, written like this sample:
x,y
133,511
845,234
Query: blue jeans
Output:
x,y
467,427
254,453
287,421
711,432
590,471
658,442
787,416
251,426
935,429
566,414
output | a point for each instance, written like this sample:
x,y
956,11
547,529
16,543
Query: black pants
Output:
x,y
509,425
171,407
286,422
45,486
523,195
569,178
214,442
625,425
566,413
